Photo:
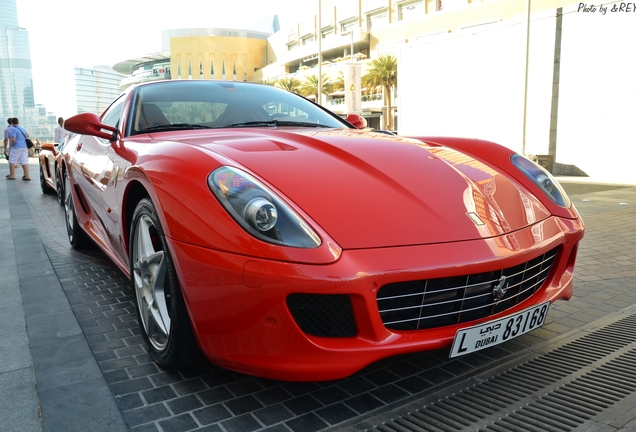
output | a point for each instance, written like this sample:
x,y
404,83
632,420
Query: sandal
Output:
x,y
25,179
10,178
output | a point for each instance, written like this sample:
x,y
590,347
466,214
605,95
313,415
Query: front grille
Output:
x,y
323,314
423,304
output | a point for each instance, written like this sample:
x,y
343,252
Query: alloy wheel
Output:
x,y
150,279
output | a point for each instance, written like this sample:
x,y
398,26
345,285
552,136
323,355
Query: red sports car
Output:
x,y
285,242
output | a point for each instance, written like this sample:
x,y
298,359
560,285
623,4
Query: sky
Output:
x,y
68,33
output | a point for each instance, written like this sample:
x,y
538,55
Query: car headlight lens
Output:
x,y
261,214
259,211
542,178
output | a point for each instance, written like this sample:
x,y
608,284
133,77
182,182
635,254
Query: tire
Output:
x,y
45,189
59,186
161,311
76,236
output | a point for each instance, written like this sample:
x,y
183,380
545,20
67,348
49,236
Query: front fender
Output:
x,y
496,155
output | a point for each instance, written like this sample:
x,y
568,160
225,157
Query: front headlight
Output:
x,y
259,211
542,178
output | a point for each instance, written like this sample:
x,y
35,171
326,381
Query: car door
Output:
x,y
93,169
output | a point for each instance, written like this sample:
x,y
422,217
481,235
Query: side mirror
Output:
x,y
357,121
90,124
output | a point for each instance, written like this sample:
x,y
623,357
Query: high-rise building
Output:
x,y
96,88
16,81
16,85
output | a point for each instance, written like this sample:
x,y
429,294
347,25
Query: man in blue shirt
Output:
x,y
19,151
7,138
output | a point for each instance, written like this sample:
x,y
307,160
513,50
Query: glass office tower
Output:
x,y
96,88
16,81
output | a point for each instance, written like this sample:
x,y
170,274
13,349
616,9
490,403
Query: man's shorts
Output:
x,y
19,156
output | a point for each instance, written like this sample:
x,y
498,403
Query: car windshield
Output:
x,y
179,105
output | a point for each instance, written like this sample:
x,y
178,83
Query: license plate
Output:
x,y
492,333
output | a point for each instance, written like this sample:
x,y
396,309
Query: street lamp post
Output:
x,y
352,59
525,83
350,32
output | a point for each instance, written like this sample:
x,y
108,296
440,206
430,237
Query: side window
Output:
x,y
113,114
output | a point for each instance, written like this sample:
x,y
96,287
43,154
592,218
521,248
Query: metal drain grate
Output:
x,y
572,404
557,391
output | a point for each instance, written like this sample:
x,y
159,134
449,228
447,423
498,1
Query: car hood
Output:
x,y
369,190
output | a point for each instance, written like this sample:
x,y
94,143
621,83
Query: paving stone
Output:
x,y
64,364
244,423
143,370
52,329
273,395
183,404
306,423
212,414
189,386
179,423
302,404
390,393
19,407
160,394
146,414
82,294
130,386
273,414
336,413
356,385
14,352
244,387
414,384
72,408
242,405
129,402
364,403
330,395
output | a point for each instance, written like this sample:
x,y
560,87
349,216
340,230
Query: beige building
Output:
x,y
220,54
200,53
462,70
371,29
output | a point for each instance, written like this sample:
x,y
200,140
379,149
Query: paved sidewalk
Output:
x,y
61,371
19,403
49,379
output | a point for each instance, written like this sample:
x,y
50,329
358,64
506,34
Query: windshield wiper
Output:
x,y
175,126
302,124
276,123
252,123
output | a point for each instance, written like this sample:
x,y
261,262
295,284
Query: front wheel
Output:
x,y
161,310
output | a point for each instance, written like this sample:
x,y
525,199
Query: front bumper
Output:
x,y
240,315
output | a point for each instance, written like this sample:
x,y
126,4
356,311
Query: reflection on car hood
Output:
x,y
373,190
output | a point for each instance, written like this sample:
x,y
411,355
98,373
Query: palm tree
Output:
x,y
368,86
290,84
383,72
338,84
270,82
310,86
